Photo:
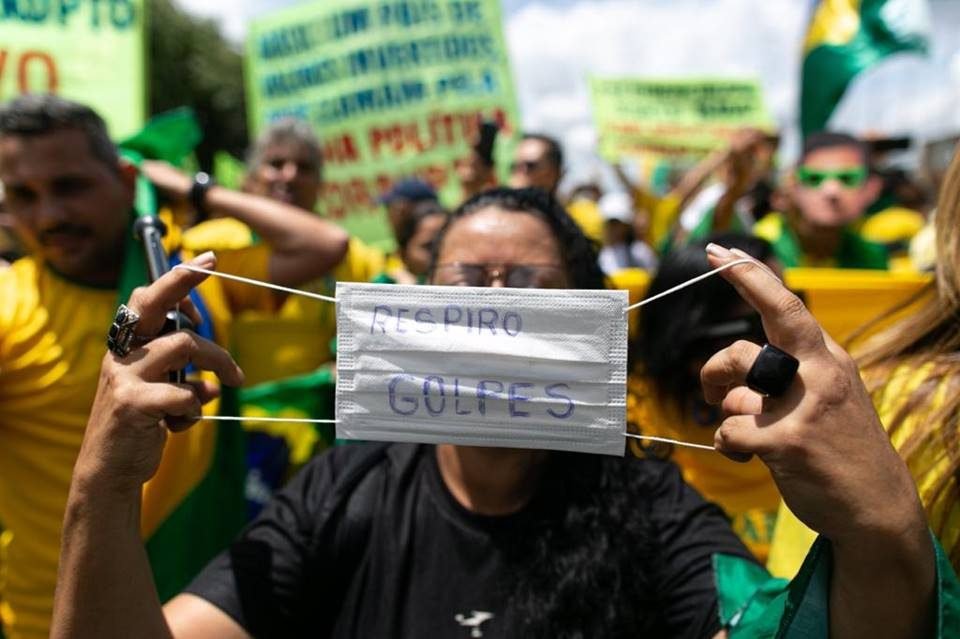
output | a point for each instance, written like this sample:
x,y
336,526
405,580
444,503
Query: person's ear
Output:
x,y
872,188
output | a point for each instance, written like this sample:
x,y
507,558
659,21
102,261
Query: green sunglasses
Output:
x,y
814,178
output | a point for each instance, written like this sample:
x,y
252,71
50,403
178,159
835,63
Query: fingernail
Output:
x,y
204,260
717,251
740,253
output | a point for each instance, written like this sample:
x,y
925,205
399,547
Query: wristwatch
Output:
x,y
202,182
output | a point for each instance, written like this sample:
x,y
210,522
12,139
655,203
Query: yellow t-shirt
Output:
x,y
295,338
663,212
929,466
587,215
52,340
746,492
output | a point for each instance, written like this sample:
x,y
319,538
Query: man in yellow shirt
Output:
x,y
284,349
71,197
293,338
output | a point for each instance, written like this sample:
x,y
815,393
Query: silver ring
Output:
x,y
120,336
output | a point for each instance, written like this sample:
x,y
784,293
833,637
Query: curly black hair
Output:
x,y
577,252
668,331
588,568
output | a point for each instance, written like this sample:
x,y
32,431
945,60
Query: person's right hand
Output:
x,y
822,440
136,405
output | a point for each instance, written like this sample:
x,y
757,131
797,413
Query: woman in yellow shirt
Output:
x,y
913,371
675,339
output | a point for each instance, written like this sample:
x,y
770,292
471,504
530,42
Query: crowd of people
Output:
x,y
380,539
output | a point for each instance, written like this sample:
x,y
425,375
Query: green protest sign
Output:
x,y
673,117
91,51
394,89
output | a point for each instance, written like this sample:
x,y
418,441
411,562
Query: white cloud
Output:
x,y
233,16
555,48
556,45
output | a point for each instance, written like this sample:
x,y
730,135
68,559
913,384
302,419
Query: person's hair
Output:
x,y
833,139
35,115
409,225
588,568
577,252
282,131
486,140
927,339
554,150
668,330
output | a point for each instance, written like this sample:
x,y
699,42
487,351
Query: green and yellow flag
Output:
x,y
848,36
194,505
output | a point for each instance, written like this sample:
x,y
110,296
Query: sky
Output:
x,y
554,45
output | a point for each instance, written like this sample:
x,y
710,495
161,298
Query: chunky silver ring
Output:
x,y
120,336
772,372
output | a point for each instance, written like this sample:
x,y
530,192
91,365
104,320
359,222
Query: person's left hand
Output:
x,y
822,440
136,404
170,180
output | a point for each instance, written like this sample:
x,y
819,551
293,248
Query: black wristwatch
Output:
x,y
202,182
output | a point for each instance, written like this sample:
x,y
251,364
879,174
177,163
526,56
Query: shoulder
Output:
x,y
361,263
219,234
862,253
892,224
18,289
340,470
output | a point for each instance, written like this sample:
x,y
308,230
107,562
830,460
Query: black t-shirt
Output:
x,y
368,542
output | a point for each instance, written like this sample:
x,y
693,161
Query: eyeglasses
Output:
x,y
524,166
850,178
511,275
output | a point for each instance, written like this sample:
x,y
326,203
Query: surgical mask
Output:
x,y
518,368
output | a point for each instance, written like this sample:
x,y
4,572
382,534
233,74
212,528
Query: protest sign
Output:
x,y
91,51
672,117
525,368
394,90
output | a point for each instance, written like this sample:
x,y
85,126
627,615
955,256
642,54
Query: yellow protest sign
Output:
x,y
637,116
91,51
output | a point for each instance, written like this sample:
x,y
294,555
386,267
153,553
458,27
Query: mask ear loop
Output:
x,y
325,298
671,291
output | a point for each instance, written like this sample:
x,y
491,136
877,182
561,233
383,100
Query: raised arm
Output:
x,y
833,462
304,245
105,588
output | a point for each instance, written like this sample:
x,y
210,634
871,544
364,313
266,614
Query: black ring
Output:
x,y
120,336
772,372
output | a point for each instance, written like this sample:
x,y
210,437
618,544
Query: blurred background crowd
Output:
x,y
310,143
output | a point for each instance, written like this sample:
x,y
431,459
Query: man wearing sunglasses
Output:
x,y
537,162
829,192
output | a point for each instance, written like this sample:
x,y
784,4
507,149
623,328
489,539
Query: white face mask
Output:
x,y
521,368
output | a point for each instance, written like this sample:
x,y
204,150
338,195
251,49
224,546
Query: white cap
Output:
x,y
617,206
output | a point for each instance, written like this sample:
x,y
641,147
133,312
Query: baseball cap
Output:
x,y
409,189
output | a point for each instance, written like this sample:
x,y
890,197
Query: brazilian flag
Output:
x,y
194,505
847,36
